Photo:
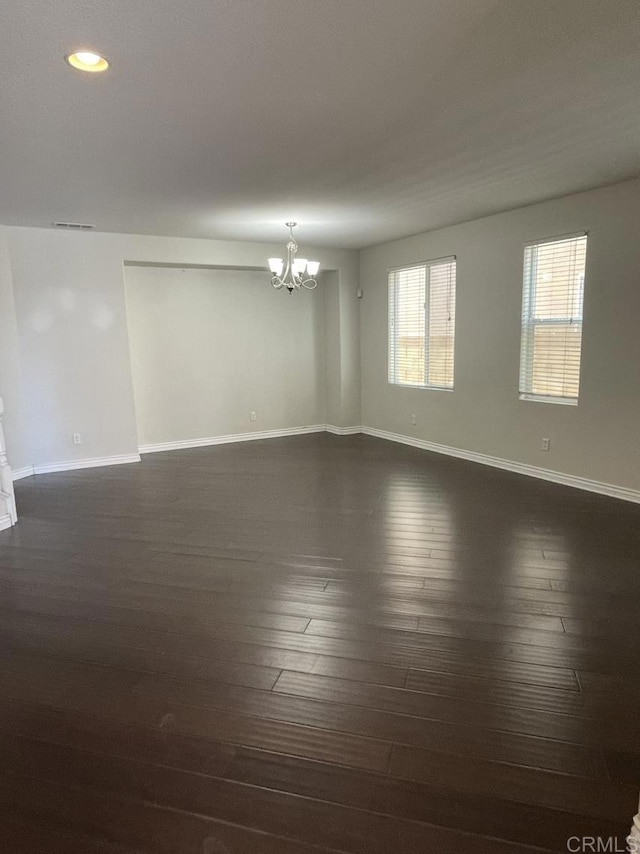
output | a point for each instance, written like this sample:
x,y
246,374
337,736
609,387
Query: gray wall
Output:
x,y
70,308
11,389
599,438
74,368
209,346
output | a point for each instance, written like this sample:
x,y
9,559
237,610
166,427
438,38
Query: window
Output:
x,y
422,301
552,319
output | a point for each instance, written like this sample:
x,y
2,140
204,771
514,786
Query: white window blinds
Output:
x,y
422,302
552,319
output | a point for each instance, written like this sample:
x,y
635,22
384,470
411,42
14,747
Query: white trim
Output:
x,y
5,522
542,398
27,471
508,465
608,489
93,462
542,241
421,387
447,259
231,437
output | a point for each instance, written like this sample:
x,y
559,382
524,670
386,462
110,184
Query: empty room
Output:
x,y
319,426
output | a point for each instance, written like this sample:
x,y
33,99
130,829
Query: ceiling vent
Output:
x,y
76,226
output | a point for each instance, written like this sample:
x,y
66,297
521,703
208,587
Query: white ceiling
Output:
x,y
362,119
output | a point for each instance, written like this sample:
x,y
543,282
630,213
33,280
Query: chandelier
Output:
x,y
298,272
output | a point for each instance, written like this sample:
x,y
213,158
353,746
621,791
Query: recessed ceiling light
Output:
x,y
87,60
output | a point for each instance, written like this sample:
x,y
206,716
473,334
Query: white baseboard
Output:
x,y
231,437
608,489
18,474
95,462
5,522
91,463
508,465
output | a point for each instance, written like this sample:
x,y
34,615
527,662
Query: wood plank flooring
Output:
x,y
312,645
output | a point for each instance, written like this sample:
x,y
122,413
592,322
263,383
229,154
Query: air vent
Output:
x,y
76,226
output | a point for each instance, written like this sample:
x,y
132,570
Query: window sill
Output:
x,y
541,398
421,387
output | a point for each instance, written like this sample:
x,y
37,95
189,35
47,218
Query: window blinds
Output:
x,y
422,324
552,319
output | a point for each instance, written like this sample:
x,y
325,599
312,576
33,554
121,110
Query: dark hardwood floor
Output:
x,y
316,644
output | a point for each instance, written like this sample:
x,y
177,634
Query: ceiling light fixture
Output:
x,y
293,277
87,60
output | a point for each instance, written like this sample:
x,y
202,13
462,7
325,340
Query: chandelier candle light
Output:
x,y
298,272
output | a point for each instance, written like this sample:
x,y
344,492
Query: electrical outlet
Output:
x,y
77,438
413,419
252,415
546,443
